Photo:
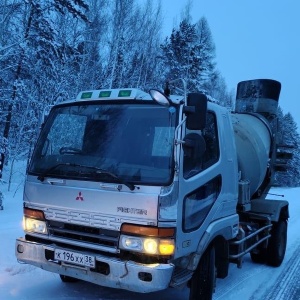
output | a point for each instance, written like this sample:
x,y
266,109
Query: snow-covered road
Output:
x,y
253,281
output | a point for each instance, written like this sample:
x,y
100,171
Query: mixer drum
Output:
x,y
253,141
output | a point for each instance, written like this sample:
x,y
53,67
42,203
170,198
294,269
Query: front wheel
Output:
x,y
277,244
202,284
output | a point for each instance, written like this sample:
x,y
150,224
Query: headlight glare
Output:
x,y
147,245
33,225
150,246
131,243
151,240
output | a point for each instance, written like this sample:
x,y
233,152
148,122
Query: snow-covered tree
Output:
x,y
10,41
51,49
91,51
206,54
140,69
120,17
34,58
178,52
290,142
189,54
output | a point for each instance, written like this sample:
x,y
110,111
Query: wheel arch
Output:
x,y
221,247
276,209
218,234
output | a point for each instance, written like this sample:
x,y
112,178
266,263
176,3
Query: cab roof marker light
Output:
x,y
104,94
86,95
113,94
124,93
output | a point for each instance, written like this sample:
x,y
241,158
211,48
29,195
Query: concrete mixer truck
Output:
x,y
145,191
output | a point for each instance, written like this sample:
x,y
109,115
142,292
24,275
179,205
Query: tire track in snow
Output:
x,y
287,285
17,269
237,279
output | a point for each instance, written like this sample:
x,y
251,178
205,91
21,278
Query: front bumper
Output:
x,y
126,275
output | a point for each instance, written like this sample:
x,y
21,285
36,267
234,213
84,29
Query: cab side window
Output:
x,y
198,203
195,160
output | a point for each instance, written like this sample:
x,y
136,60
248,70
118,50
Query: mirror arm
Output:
x,y
189,109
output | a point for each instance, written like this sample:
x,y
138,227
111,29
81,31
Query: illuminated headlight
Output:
x,y
151,246
33,225
147,245
132,243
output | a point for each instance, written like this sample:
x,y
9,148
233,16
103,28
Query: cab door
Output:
x,y
200,183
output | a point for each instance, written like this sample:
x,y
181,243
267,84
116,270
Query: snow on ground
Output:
x,y
253,281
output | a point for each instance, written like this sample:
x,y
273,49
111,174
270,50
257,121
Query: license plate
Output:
x,y
74,258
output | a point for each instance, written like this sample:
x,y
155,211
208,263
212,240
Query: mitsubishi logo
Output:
x,y
79,197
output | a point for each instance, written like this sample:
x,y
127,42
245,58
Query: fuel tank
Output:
x,y
256,107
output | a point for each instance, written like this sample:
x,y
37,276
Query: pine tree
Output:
x,y
189,54
206,55
290,138
177,51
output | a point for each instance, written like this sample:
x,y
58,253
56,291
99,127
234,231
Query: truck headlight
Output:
x,y
132,243
151,246
160,241
34,221
34,225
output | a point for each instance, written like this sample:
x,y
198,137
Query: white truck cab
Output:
x,y
136,191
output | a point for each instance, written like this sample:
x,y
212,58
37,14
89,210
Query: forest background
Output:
x,y
52,49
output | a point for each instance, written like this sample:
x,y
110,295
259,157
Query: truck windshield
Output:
x,y
125,143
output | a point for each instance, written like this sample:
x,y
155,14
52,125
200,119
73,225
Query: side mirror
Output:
x,y
196,111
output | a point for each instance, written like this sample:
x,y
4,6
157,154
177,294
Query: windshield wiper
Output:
x,y
42,176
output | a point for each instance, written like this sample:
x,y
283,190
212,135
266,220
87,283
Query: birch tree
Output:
x,y
145,36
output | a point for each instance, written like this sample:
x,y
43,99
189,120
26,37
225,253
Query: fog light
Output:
x,y
20,248
166,247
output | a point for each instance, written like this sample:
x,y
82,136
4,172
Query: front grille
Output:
x,y
85,234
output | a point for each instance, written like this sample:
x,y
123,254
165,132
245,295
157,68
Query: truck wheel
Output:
x,y
202,284
277,244
65,278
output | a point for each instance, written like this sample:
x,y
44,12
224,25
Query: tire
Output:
x,y
68,279
277,244
202,284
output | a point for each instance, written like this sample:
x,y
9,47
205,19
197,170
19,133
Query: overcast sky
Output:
x,y
254,39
